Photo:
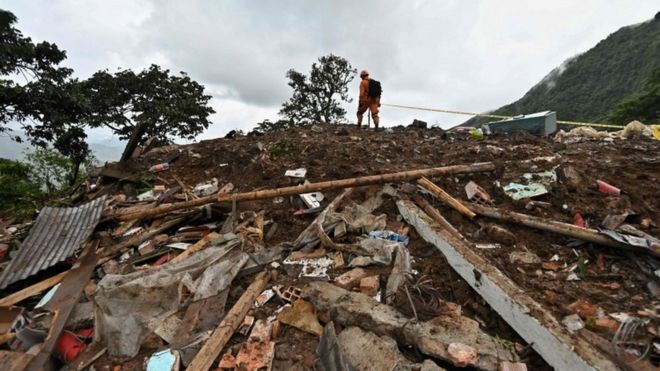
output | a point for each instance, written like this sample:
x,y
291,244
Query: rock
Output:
x,y
431,337
511,366
572,178
351,278
418,124
524,257
110,267
365,350
301,316
461,354
500,234
606,323
370,285
227,362
82,315
573,323
583,308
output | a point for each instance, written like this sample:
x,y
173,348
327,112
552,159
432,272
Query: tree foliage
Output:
x,y
152,103
268,126
34,89
643,106
18,193
314,96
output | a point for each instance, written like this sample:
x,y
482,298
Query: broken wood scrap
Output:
x,y
184,187
199,245
435,214
63,302
219,338
569,230
446,197
128,214
138,239
309,238
32,290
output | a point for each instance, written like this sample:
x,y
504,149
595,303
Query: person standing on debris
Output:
x,y
370,91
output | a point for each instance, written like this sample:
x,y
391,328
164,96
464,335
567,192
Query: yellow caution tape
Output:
x,y
502,116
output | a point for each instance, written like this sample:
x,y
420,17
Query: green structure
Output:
x,y
540,123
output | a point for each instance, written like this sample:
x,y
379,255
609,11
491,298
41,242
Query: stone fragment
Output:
x,y
461,354
351,278
370,285
524,257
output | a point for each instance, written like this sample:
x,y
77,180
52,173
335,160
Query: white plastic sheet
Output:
x,y
126,305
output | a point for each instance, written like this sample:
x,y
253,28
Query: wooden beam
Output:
x,y
446,197
219,338
565,229
30,291
435,214
199,245
130,213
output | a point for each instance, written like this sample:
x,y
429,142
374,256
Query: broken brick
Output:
x,y
227,362
606,323
351,278
583,308
370,285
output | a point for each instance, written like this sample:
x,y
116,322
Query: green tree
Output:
x,y
268,126
643,106
33,87
314,96
19,195
152,103
54,172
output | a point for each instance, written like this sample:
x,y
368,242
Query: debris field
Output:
x,y
333,248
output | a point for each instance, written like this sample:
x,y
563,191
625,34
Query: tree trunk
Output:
x,y
134,140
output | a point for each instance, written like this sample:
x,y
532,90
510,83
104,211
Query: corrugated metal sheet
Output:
x,y
57,233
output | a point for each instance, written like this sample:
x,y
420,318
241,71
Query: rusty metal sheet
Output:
x,y
55,236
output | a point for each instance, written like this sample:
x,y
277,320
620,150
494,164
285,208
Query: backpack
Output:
x,y
374,88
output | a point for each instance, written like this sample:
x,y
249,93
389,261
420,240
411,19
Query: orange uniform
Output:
x,y
367,102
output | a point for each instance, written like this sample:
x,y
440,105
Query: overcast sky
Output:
x,y
465,55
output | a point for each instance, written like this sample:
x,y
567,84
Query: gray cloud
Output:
x,y
464,55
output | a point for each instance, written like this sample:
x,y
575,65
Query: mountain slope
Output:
x,y
588,86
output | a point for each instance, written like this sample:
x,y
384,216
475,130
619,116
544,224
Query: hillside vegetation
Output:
x,y
589,86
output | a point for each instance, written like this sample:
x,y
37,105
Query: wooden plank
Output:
x,y
199,245
446,197
30,291
570,230
63,302
214,345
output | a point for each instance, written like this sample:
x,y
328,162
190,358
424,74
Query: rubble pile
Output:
x,y
333,248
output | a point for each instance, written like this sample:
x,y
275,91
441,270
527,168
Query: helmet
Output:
x,y
364,73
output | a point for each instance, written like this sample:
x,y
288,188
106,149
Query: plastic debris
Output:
x,y
390,235
206,189
296,173
164,360
607,188
264,297
159,167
